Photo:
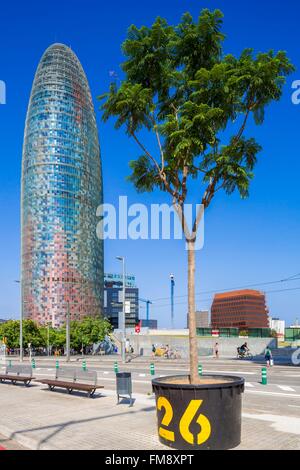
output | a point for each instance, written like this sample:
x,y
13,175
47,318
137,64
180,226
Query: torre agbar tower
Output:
x,y
62,258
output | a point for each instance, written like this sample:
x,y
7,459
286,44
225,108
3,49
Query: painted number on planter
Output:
x,y
162,402
185,422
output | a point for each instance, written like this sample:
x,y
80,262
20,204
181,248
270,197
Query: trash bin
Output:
x,y
124,385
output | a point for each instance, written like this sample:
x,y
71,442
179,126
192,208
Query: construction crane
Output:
x,y
172,299
147,302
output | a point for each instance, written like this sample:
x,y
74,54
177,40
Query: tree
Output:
x,y
31,333
196,102
88,331
11,331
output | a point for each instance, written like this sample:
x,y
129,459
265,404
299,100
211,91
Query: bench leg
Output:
x,y
27,383
70,390
91,394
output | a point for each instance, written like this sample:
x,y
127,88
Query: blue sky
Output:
x,y
246,242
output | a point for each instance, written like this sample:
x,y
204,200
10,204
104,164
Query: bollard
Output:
x,y
116,367
9,363
200,369
56,364
264,376
152,370
84,365
33,363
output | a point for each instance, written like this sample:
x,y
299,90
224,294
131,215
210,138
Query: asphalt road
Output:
x,y
277,402
282,376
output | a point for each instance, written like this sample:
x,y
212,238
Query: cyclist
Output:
x,y
243,349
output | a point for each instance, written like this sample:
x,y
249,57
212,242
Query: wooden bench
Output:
x,y
78,379
17,373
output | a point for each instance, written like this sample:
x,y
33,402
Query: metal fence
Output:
x,y
292,334
235,332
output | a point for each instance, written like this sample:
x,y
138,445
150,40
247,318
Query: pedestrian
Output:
x,y
216,350
153,350
167,351
268,356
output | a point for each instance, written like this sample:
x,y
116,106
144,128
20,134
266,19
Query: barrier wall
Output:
x,y
227,346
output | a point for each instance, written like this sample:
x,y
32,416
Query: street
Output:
x,y
271,413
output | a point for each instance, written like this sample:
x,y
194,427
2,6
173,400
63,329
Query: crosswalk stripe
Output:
x,y
285,388
248,384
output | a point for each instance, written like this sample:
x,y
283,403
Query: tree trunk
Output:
x,y
192,315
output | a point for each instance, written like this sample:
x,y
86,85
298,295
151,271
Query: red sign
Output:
x,y
137,328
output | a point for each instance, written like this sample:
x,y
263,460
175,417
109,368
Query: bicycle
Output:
x,y
174,355
244,355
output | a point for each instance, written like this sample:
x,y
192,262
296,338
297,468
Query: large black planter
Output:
x,y
199,417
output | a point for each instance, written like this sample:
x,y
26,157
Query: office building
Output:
x,y
113,299
151,324
239,309
202,319
62,258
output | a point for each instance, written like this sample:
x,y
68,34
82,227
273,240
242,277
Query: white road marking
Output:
x,y
248,384
285,388
292,375
142,375
275,394
224,372
280,423
105,372
294,406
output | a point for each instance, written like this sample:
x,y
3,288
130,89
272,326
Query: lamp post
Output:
x,y
48,337
21,323
68,333
122,259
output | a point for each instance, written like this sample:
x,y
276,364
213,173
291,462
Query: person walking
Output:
x,y
268,356
153,350
216,350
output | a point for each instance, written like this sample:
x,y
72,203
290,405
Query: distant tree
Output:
x,y
11,331
57,336
31,333
86,332
196,102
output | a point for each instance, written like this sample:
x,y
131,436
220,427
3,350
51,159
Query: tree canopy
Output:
x,y
85,332
180,86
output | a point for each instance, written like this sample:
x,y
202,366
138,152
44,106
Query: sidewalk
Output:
x,y
39,419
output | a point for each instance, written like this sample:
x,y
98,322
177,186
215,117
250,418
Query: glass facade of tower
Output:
x,y
62,258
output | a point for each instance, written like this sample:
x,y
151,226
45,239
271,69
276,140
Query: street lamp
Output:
x,y
68,333
21,323
122,259
48,338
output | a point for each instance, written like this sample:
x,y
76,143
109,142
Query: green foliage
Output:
x,y
87,331
196,101
31,333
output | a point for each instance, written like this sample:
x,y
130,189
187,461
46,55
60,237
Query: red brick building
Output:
x,y
240,309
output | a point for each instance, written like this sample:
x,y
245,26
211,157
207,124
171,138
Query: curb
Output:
x,y
25,441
